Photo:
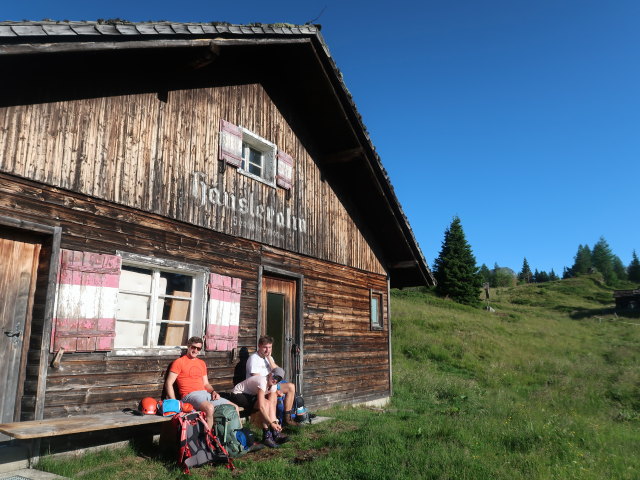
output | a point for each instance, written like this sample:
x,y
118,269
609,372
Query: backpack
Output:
x,y
198,444
227,427
299,411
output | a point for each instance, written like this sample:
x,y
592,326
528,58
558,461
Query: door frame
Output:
x,y
51,238
297,322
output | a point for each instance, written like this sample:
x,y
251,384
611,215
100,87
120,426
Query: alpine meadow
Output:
x,y
545,387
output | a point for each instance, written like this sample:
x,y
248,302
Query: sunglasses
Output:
x,y
277,378
195,348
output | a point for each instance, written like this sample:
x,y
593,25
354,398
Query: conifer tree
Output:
x,y
602,260
582,262
455,268
542,277
552,276
534,277
485,273
525,273
619,268
633,271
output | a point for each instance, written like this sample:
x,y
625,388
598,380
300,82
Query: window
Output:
x,y
376,310
258,157
160,303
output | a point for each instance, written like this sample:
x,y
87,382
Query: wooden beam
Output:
x,y
343,156
404,264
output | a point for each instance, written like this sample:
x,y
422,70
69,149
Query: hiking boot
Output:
x,y
290,422
280,437
269,441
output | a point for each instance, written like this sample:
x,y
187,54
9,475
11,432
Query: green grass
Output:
x,y
547,387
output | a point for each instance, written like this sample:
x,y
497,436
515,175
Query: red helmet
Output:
x,y
149,406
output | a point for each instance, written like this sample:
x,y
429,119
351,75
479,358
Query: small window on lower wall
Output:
x,y
160,303
377,310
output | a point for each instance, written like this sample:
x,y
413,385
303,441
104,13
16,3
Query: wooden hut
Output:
x,y
162,180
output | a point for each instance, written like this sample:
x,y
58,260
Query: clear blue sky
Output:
x,y
522,117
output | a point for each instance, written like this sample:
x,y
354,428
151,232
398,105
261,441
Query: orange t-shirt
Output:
x,y
190,372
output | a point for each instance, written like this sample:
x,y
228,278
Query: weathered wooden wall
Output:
x,y
156,155
344,360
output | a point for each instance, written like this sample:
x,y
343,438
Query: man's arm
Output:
x,y
265,410
168,384
209,388
272,362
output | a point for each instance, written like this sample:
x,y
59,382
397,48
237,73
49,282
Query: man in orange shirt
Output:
x,y
190,373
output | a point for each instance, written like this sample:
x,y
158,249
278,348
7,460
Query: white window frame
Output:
x,y
197,312
269,157
379,323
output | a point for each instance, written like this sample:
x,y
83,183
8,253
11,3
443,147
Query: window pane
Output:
x,y
135,279
376,312
255,162
170,282
176,309
131,333
171,335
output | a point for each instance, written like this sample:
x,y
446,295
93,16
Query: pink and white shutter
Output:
x,y
86,302
223,318
230,143
284,177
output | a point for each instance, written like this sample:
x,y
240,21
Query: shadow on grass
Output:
x,y
581,313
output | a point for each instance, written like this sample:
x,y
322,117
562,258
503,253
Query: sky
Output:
x,y
520,117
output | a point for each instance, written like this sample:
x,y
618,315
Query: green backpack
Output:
x,y
228,429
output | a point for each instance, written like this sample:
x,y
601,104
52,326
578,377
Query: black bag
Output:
x,y
299,411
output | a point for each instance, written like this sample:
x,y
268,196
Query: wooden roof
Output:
x,y
292,62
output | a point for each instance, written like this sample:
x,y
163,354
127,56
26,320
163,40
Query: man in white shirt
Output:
x,y
261,363
256,393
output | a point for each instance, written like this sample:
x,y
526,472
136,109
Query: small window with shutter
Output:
x,y
255,156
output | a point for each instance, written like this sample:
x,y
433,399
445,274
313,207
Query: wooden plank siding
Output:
x,y
344,360
153,155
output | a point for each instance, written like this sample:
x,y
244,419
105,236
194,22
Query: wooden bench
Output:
x,y
52,427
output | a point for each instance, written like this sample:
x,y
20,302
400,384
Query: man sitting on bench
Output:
x,y
258,393
261,363
190,373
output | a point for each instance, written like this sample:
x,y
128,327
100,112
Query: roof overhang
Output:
x,y
293,64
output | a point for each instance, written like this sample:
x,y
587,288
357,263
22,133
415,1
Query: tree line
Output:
x,y
459,278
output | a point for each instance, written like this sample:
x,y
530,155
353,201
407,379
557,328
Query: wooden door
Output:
x,y
278,321
19,255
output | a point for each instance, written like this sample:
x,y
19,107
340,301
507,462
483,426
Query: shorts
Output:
x,y
198,397
243,400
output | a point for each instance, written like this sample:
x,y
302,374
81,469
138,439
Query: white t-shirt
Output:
x,y
253,385
257,364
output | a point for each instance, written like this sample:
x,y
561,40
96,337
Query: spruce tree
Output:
x,y
525,274
619,268
542,277
602,260
485,273
455,268
552,276
582,263
633,270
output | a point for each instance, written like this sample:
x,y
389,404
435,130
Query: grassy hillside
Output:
x,y
547,387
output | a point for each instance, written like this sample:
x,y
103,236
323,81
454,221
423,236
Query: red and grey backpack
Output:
x,y
198,444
